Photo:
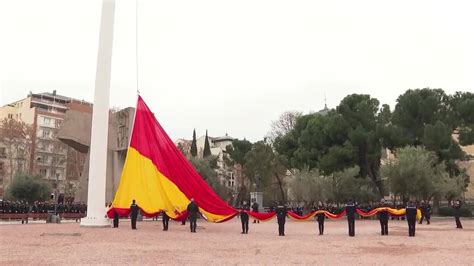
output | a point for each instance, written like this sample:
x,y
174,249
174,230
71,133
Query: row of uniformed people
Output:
x,y
281,213
12,207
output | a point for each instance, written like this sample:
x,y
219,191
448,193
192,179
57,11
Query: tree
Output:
x,y
347,184
310,186
75,164
193,150
265,168
28,188
16,136
416,174
207,147
285,123
428,117
343,138
238,150
462,106
204,168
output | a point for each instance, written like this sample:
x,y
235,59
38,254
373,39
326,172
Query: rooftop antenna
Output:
x,y
325,102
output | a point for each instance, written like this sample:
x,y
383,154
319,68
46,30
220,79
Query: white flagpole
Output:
x,y
100,122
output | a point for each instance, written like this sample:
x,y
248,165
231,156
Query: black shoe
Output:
x,y
242,233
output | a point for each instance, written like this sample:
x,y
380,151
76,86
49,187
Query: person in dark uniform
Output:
x,y
411,218
281,212
255,209
134,214
350,213
244,217
116,219
457,212
166,221
193,211
425,212
383,218
320,217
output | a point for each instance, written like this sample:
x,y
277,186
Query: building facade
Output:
x,y
43,154
230,176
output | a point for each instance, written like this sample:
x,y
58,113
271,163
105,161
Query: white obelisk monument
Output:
x,y
100,122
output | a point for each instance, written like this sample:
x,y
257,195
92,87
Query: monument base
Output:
x,y
95,222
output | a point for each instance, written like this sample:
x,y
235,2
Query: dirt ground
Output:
x,y
68,243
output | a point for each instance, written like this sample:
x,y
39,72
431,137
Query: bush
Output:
x,y
28,188
448,211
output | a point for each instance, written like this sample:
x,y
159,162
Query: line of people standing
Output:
x,y
282,212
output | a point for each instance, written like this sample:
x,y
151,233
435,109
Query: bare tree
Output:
x,y
16,137
75,164
285,123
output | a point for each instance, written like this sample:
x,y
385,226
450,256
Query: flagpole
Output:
x,y
96,209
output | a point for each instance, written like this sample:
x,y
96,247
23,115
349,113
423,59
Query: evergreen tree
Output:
x,y
194,150
207,147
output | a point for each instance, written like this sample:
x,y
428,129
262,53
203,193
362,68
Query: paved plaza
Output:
x,y
68,243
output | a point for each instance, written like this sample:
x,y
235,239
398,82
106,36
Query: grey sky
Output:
x,y
234,66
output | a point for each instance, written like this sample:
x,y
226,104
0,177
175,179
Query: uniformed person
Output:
x,y
457,212
425,209
166,220
411,218
321,217
134,214
193,211
350,213
281,212
383,218
244,217
255,209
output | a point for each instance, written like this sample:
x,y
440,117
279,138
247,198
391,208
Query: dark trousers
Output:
x,y
134,221
166,221
192,224
351,224
321,227
458,222
183,222
425,216
245,225
116,221
384,227
281,227
411,227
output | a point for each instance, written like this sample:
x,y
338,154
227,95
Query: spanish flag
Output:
x,y
160,178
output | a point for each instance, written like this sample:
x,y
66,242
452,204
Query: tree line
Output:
x,y
342,153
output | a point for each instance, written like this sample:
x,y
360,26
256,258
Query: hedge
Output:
x,y
448,211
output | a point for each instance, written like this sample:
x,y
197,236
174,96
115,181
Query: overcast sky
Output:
x,y
234,66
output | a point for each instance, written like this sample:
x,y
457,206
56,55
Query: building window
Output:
x,y
3,154
42,171
46,133
47,121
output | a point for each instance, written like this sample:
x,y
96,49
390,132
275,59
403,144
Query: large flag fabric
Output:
x,y
160,178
